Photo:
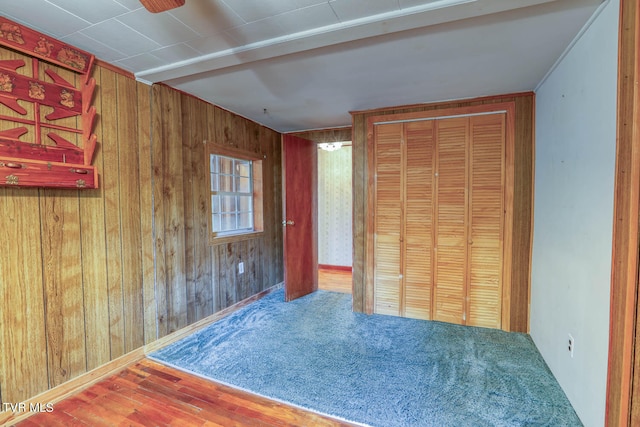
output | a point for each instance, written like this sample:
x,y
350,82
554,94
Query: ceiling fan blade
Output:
x,y
156,6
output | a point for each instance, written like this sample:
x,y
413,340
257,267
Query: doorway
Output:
x,y
335,241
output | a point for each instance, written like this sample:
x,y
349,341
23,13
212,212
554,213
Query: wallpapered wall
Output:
x,y
334,207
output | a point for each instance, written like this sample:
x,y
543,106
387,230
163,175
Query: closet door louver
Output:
x,y
450,246
418,228
439,224
486,220
388,219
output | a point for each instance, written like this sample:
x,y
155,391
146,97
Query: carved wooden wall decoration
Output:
x,y
42,113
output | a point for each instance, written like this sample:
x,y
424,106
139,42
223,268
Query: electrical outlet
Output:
x,y
571,345
240,267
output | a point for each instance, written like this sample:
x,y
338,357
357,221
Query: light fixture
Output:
x,y
157,6
331,146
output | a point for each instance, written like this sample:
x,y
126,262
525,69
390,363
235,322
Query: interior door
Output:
x,y
300,222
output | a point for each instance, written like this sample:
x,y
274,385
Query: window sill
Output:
x,y
232,238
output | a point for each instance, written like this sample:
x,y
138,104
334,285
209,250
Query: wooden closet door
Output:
x,y
450,246
486,220
418,230
388,219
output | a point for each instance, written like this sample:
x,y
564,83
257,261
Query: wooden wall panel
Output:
x,y
360,179
91,275
94,257
23,332
110,182
146,214
326,135
173,199
158,160
522,199
522,235
62,273
200,301
130,237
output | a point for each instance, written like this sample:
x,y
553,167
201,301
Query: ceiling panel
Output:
x,y
129,4
141,62
43,16
215,43
175,53
162,28
257,31
251,10
100,50
347,10
309,17
121,37
101,10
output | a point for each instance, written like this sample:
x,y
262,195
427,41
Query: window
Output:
x,y
231,194
236,197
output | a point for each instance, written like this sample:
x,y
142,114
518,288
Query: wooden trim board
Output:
x,y
624,366
334,267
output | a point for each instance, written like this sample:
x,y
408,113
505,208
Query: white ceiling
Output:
x,y
304,64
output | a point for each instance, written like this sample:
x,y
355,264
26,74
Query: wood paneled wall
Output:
x,y
523,198
87,276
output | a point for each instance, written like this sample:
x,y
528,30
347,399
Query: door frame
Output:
x,y
507,107
623,379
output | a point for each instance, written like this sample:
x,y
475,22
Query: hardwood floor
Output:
x,y
150,394
334,280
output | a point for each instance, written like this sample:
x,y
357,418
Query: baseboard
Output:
x,y
76,385
335,267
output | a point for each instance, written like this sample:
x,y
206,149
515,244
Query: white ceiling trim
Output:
x,y
425,15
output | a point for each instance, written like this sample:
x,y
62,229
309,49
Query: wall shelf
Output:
x,y
46,118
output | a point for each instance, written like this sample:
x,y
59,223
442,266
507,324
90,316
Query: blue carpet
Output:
x,y
376,370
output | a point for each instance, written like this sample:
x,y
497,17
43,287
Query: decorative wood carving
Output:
x,y
33,153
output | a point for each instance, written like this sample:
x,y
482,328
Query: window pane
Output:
x,y
228,222
214,182
227,204
215,204
244,203
243,168
245,220
226,165
213,163
243,185
226,183
215,223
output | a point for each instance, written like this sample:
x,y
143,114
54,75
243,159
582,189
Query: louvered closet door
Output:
x,y
486,220
418,229
388,219
450,263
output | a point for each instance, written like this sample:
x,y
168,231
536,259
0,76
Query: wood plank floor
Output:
x,y
150,394
334,280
